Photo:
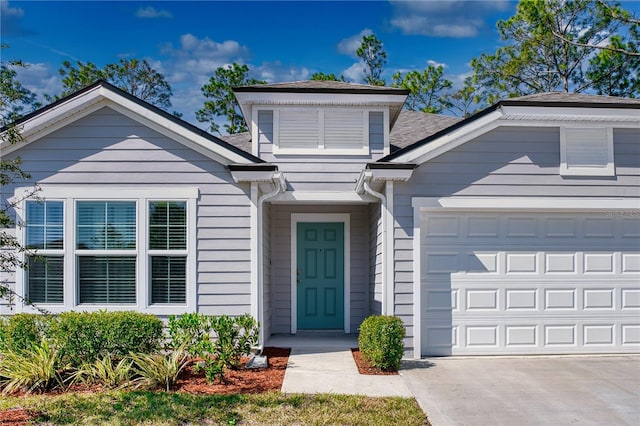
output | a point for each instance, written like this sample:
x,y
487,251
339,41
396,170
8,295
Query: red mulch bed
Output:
x,y
240,381
365,368
16,416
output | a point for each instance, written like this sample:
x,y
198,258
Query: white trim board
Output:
x,y
344,218
526,203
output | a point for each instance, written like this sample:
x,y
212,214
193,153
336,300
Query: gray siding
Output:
x,y
266,259
281,262
109,149
506,162
375,259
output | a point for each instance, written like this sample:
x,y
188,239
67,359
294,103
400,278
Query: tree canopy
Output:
x,y
426,89
374,58
320,76
221,103
131,75
550,46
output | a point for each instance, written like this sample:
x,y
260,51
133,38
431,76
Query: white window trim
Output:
x,y
344,218
320,149
569,170
142,196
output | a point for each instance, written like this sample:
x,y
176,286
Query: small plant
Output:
x,y
381,341
106,372
159,369
235,337
35,369
192,332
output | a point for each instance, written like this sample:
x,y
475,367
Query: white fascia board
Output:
x,y
527,203
621,117
246,99
382,175
310,197
240,176
398,175
451,140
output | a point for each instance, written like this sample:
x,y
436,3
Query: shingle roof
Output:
x,y
319,86
413,126
561,97
239,140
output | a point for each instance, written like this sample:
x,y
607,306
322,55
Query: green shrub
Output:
x,y
220,341
191,331
85,337
20,332
34,369
234,338
381,341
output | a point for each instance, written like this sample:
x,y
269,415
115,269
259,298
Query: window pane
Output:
x,y
167,225
107,279
168,279
45,279
44,224
107,225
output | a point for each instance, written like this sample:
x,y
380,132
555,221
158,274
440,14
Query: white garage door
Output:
x,y
515,283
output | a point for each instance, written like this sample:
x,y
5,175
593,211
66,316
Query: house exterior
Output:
x,y
514,231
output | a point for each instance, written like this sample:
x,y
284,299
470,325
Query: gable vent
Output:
x,y
586,151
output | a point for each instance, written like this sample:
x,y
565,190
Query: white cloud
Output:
x,y
41,79
349,45
436,63
189,64
272,72
151,12
11,20
455,18
354,73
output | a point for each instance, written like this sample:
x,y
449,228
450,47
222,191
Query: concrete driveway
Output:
x,y
580,390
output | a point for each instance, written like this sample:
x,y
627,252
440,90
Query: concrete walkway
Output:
x,y
323,364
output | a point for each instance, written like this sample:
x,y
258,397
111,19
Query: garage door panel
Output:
x,y
515,283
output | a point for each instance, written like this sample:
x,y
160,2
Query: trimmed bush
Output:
x,y
20,332
84,337
220,341
381,341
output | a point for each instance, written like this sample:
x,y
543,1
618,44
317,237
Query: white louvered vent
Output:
x,y
299,129
343,129
586,152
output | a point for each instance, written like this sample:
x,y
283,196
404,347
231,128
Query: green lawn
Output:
x,y
162,408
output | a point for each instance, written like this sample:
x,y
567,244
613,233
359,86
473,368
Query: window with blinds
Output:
x,y
106,252
167,251
45,234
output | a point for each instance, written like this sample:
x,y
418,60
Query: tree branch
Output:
x,y
594,46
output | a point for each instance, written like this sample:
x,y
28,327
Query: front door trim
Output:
x,y
344,218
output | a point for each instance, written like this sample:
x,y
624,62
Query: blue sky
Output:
x,y
280,41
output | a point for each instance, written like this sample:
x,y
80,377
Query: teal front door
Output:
x,y
320,276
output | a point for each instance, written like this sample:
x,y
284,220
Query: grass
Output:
x,y
167,408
